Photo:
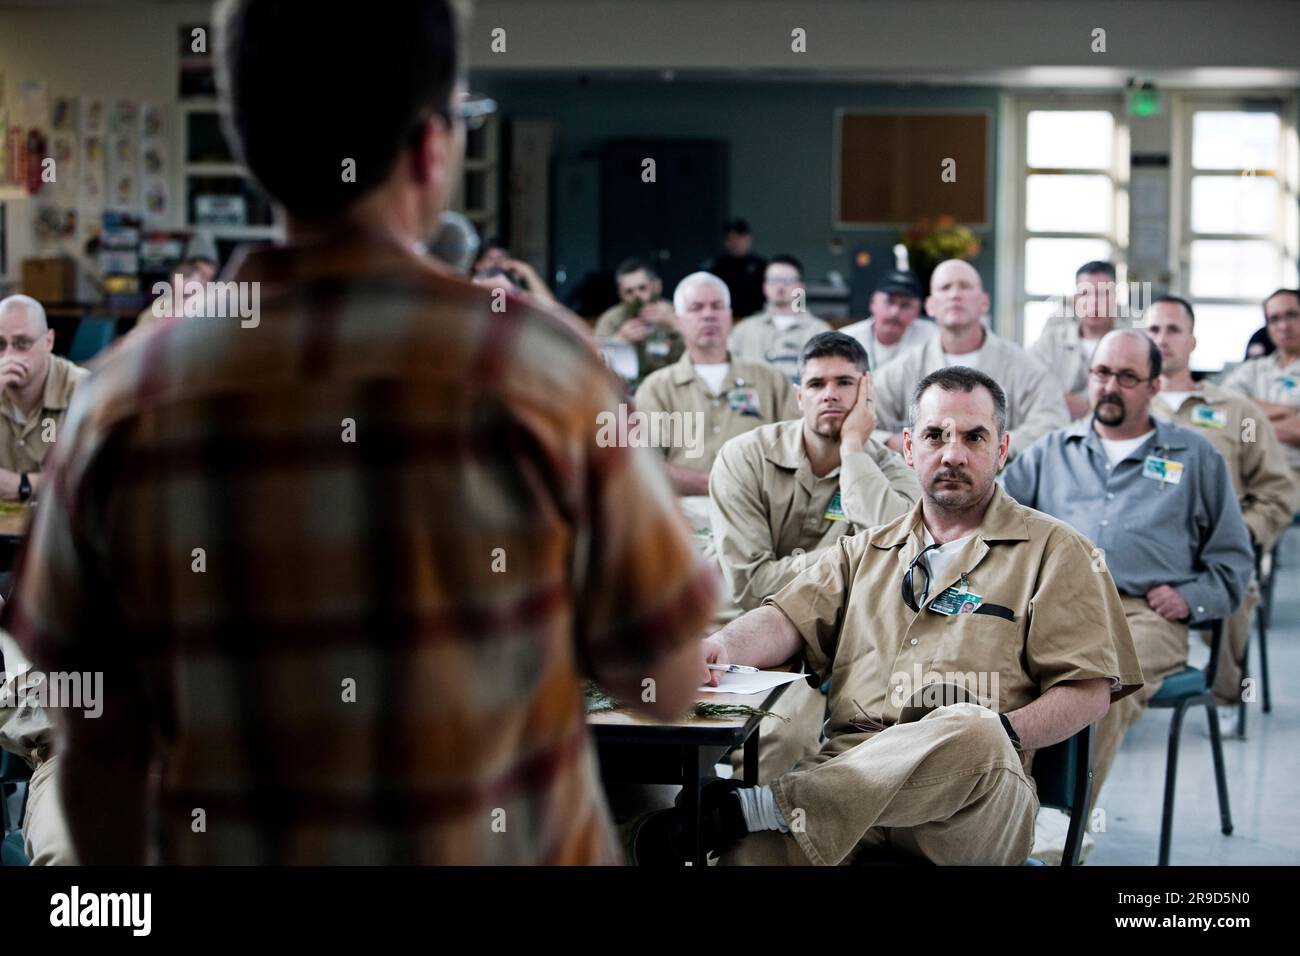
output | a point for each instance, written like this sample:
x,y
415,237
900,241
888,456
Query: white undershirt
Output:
x,y
1088,346
969,359
941,557
1175,399
785,322
713,375
1119,449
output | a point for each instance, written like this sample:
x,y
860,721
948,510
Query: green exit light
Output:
x,y
1143,103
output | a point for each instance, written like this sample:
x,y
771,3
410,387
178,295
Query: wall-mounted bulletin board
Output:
x,y
889,167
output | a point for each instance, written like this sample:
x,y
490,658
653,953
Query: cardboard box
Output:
x,y
50,280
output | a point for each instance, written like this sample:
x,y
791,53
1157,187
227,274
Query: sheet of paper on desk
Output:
x,y
751,683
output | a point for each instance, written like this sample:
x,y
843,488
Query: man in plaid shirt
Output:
x,y
344,563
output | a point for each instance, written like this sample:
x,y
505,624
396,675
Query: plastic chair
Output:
x,y
1179,691
92,337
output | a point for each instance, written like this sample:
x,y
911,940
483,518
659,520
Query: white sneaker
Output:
x,y
1050,830
1229,721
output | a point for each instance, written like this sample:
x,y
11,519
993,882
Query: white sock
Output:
x,y
758,804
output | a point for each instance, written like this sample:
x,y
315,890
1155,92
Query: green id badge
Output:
x,y
955,601
1162,470
1208,417
743,400
835,510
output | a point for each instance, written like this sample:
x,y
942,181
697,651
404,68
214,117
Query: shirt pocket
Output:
x,y
981,652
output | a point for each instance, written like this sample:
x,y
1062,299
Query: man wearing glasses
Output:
x,y
1157,500
36,389
1044,649
1273,381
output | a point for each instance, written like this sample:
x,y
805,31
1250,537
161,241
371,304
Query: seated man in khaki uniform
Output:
x,y
718,395
1240,431
778,333
35,389
1273,381
642,318
968,588
784,494
1067,343
895,325
26,730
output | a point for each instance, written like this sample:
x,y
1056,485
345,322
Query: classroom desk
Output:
x,y
634,748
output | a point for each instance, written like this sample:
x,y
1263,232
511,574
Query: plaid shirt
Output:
x,y
465,559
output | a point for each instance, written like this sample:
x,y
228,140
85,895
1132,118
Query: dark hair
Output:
x,y
739,226
787,260
1096,267
628,266
826,344
1176,300
1294,292
304,91
960,378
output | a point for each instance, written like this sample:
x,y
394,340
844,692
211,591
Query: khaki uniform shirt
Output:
x,y
752,394
1035,403
1241,432
1060,348
657,350
1264,380
24,445
1066,619
759,339
920,331
771,514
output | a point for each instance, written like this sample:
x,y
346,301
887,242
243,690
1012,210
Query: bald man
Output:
x,y
36,388
1158,502
958,302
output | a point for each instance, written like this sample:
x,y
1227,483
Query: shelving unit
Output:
x,y
478,196
207,165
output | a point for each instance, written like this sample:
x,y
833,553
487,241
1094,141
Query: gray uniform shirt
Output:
x,y
1188,534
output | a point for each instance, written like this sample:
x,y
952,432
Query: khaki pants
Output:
x,y
948,788
1227,679
45,834
781,745
1162,650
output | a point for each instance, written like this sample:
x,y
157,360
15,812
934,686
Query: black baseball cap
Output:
x,y
902,282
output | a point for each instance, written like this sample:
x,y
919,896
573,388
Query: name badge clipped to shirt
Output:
x,y
743,399
1162,470
659,347
1209,417
835,510
958,599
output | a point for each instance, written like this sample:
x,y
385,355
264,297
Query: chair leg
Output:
x,y
1220,775
1171,775
1263,660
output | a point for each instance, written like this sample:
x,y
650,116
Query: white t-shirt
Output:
x,y
1175,399
1088,346
713,375
785,322
969,359
941,557
1118,450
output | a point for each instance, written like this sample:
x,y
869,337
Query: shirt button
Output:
x,y
913,640
898,689
1199,609
1110,495
716,429
1104,523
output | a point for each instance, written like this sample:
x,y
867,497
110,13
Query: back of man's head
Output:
x,y
308,89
